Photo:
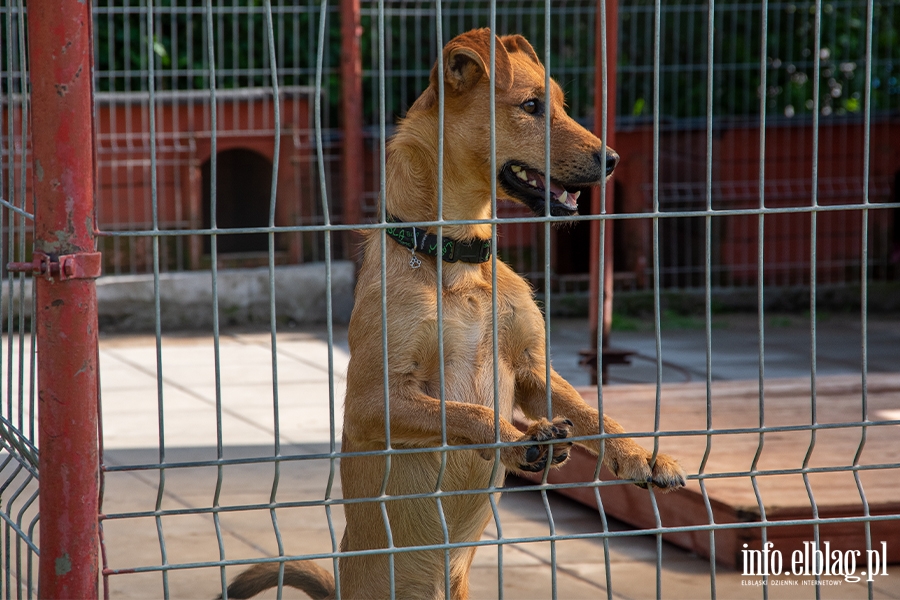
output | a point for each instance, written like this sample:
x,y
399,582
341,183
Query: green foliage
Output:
x,y
178,46
788,63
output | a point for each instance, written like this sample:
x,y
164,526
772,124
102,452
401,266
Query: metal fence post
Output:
x,y
65,265
353,154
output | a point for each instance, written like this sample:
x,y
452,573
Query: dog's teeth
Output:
x,y
516,169
574,196
521,175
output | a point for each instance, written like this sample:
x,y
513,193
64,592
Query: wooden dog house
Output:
x,y
158,174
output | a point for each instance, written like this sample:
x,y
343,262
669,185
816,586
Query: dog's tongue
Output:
x,y
560,194
557,191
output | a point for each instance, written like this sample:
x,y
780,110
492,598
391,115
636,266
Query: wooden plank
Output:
x,y
737,405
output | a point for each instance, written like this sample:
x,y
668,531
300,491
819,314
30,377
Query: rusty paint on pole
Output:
x,y
352,158
60,59
612,37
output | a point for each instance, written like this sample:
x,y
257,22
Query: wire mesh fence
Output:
x,y
180,45
19,464
805,98
219,145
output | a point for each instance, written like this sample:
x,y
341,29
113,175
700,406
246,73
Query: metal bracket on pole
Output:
x,y
82,265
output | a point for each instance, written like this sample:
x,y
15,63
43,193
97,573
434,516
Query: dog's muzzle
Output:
x,y
528,186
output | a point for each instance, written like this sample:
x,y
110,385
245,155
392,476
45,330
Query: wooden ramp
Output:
x,y
736,405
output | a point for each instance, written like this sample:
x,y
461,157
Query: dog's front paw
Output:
x,y
534,457
666,474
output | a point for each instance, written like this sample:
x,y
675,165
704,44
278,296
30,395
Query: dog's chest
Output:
x,y
469,351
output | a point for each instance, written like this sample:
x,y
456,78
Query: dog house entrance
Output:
x,y
243,190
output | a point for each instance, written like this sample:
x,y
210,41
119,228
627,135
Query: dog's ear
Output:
x,y
467,59
517,43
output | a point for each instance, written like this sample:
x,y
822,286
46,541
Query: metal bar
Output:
x,y
211,38
273,336
155,264
538,487
813,268
495,334
382,162
320,161
864,280
760,280
761,211
632,434
710,99
439,281
606,15
547,289
393,550
657,324
61,58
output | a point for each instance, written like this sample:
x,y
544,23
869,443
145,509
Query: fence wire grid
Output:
x,y
757,143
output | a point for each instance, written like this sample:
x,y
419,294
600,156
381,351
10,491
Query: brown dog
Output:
x,y
416,416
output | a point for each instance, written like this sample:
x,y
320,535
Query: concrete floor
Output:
x,y
305,385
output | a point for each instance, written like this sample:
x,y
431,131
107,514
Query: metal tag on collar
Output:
x,y
414,261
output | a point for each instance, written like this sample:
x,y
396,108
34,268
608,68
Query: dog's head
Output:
x,y
578,159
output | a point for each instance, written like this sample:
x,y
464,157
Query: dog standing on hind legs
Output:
x,y
578,160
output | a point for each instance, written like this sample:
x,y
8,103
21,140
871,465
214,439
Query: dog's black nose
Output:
x,y
610,158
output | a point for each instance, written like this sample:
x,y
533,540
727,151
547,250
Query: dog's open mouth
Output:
x,y
529,187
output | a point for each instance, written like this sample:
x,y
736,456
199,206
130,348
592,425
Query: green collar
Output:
x,y
419,240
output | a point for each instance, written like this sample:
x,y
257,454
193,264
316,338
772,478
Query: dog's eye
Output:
x,y
533,106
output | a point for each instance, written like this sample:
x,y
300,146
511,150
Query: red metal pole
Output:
x,y
353,159
60,58
612,37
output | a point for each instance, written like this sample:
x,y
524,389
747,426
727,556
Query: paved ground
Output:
x,y
133,430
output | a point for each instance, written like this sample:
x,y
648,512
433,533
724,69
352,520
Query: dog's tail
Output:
x,y
302,574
